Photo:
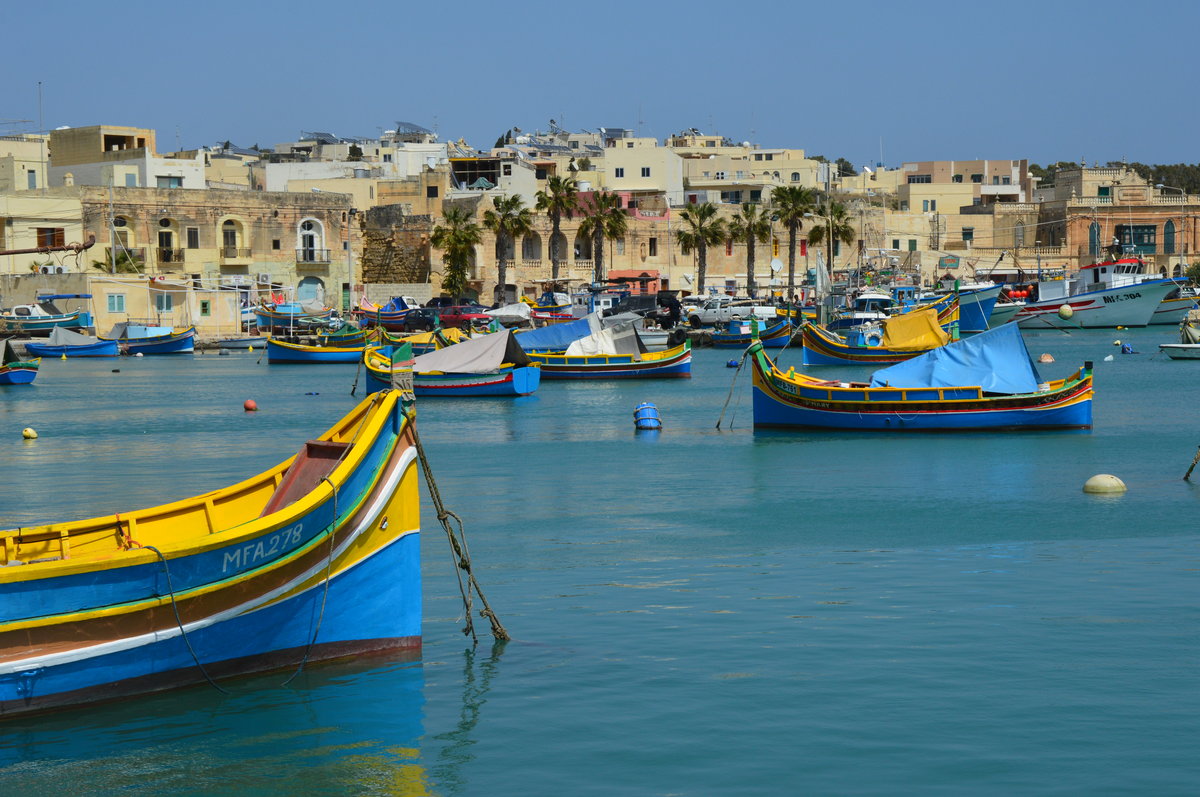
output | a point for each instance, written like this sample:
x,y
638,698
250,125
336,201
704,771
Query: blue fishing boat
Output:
x,y
63,342
388,316
139,338
44,315
281,351
897,338
738,336
14,370
586,349
225,583
290,316
984,382
491,365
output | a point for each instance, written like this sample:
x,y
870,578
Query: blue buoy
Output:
x,y
731,364
645,417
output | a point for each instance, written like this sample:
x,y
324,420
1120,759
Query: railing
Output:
x,y
1088,201
234,253
135,252
170,255
313,256
582,264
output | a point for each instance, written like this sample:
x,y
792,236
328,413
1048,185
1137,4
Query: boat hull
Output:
x,y
774,337
1003,312
103,348
262,575
672,363
1173,311
42,325
19,373
1181,351
781,400
975,308
173,343
822,348
282,352
505,382
1130,306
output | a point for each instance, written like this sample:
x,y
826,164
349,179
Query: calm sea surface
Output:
x,y
700,612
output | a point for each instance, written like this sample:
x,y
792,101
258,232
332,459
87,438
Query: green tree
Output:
x,y
845,168
355,153
125,263
457,237
791,204
509,219
701,229
561,198
603,220
836,226
751,225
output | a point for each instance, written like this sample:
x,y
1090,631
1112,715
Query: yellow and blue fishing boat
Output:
x,y
984,382
281,351
144,339
738,335
425,342
317,558
15,371
897,338
491,365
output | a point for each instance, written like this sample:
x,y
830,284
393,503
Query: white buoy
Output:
x,y
1046,358
1108,359
1065,311
28,433
137,354
1104,483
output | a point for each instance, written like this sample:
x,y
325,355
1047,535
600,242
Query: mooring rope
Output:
x,y
741,362
179,621
458,545
332,528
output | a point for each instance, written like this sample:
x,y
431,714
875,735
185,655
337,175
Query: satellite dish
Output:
x,y
776,264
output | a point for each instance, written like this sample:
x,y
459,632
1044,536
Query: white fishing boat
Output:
x,y
1188,347
1110,294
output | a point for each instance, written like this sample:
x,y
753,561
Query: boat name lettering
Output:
x,y
252,552
1121,298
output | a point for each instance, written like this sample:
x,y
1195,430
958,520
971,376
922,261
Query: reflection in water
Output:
x,y
452,759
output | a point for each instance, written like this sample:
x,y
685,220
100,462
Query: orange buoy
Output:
x,y
250,405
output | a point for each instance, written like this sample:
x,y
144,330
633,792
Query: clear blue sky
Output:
x,y
1046,80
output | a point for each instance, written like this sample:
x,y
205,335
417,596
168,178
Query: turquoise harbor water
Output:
x,y
699,612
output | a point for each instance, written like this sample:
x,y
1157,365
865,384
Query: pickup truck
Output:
x,y
723,309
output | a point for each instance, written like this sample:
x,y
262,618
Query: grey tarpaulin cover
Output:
x,y
60,336
473,356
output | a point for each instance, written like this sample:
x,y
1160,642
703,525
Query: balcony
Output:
x,y
314,256
234,255
169,255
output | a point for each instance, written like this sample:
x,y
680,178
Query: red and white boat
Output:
x,y
1116,293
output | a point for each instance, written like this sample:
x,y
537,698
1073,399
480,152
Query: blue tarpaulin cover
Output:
x,y
996,361
395,305
556,337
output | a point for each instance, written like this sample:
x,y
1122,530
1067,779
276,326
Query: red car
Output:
x,y
463,315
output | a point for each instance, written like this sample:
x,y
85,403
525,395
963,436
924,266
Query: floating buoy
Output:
x,y
64,356
28,433
1120,327
1126,348
312,394
1108,359
250,405
1065,311
1045,358
116,370
137,354
645,417
1104,483
1116,343
731,364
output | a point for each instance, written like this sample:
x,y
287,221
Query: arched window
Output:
x,y
310,242
531,247
583,247
1019,234
1169,237
1094,239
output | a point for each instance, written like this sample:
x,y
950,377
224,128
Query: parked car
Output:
x,y
420,319
464,316
450,301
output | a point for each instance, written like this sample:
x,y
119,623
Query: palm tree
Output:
x,y
791,203
603,219
457,237
751,225
702,228
561,198
836,228
509,220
